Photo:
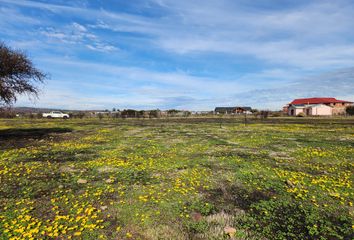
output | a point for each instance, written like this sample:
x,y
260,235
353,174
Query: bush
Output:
x,y
172,112
276,114
300,114
155,114
80,115
129,113
116,115
100,116
7,114
140,114
187,113
203,208
264,114
197,227
133,176
350,110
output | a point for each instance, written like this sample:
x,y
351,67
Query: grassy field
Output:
x,y
177,179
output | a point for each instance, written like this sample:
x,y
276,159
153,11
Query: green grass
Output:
x,y
281,178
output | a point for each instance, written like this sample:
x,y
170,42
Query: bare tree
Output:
x,y
17,75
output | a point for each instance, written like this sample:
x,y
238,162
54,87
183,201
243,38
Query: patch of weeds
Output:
x,y
203,208
228,197
290,219
131,176
195,227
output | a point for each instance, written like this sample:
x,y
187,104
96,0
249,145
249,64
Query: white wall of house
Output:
x,y
320,110
294,111
311,110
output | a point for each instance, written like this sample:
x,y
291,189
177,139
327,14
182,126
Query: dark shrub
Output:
x,y
264,114
350,110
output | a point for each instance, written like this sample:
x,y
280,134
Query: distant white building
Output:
x,y
310,110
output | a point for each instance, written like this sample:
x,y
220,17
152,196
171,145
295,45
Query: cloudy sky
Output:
x,y
184,54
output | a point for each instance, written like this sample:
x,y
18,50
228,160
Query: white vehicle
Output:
x,y
55,114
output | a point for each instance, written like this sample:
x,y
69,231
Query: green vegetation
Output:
x,y
350,110
288,178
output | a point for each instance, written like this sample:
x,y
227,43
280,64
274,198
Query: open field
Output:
x,y
177,179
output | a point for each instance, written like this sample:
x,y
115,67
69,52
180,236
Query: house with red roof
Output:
x,y
317,107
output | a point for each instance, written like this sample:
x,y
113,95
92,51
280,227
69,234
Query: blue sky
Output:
x,y
195,55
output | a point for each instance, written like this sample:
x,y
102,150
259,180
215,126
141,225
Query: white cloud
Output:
x,y
79,27
79,35
102,47
312,35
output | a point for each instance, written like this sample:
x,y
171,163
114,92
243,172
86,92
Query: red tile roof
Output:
x,y
317,101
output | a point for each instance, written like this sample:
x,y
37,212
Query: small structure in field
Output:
x,y
233,110
317,107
